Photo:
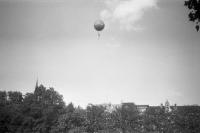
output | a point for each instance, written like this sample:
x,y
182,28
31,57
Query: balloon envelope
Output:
x,y
99,25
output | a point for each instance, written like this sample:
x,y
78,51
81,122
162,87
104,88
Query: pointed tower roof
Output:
x,y
36,85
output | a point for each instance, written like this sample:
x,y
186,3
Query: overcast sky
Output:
x,y
148,52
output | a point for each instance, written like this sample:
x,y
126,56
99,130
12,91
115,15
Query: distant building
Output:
x,y
167,106
112,107
142,108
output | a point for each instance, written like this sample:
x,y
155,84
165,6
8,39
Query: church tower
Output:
x,y
36,85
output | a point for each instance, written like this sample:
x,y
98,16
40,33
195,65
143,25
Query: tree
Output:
x,y
41,109
126,117
73,120
15,97
187,119
4,119
11,117
3,98
194,11
156,119
95,121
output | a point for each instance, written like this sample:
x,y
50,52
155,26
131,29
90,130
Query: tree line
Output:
x,y
194,12
44,111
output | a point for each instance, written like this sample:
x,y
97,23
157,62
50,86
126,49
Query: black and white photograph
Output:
x,y
99,66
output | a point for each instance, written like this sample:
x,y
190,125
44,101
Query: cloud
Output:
x,y
126,12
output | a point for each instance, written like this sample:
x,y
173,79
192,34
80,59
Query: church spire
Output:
x,y
36,85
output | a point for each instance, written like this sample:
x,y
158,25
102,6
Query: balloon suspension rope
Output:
x,y
98,35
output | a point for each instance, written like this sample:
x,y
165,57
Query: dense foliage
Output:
x,y
194,11
44,111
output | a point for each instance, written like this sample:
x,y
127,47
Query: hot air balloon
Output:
x,y
99,26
